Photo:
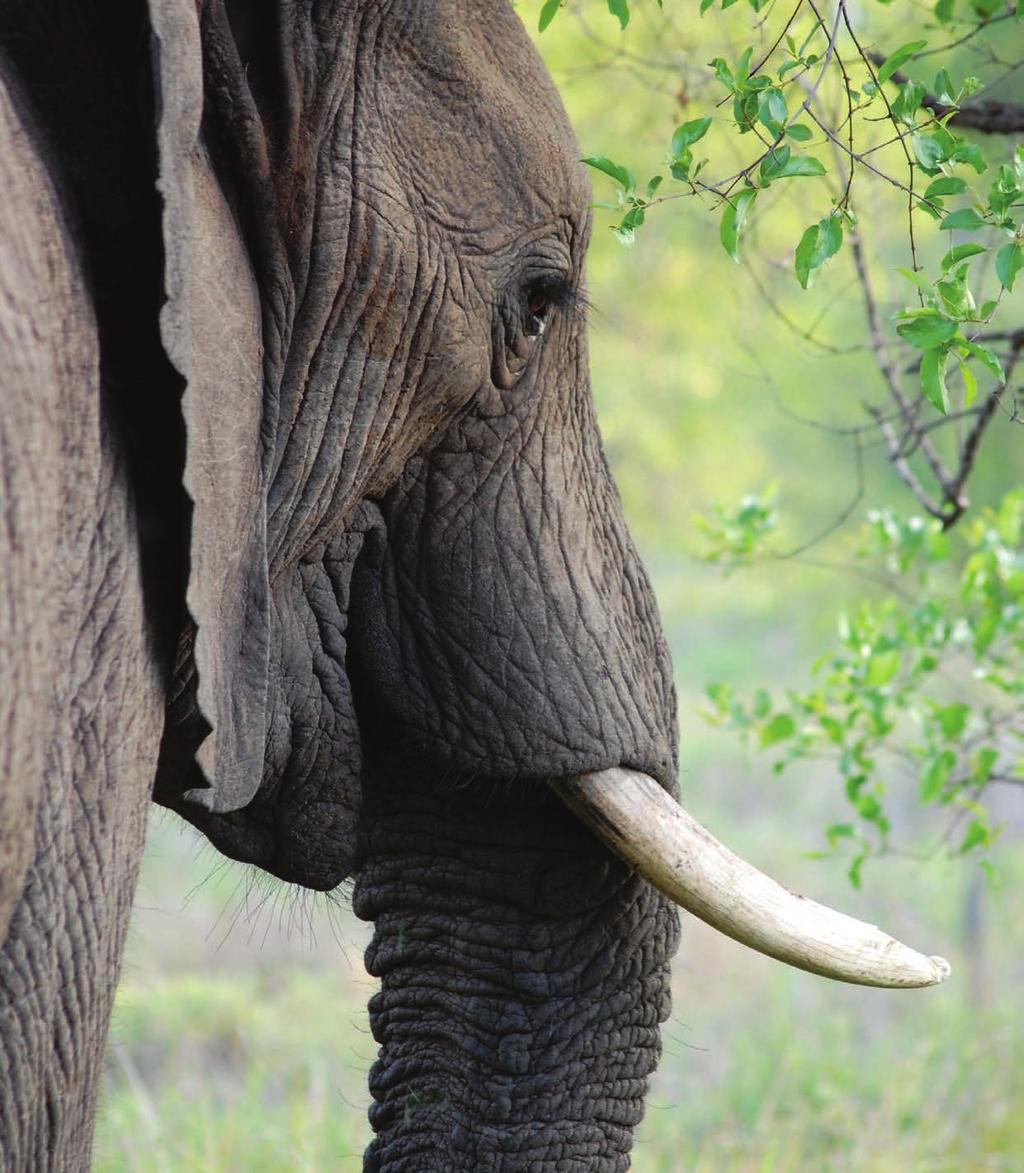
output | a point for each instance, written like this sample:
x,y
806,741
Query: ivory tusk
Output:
x,y
643,824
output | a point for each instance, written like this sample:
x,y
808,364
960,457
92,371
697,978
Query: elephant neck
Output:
x,y
523,979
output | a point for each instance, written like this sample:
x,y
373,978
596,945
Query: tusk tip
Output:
x,y
942,969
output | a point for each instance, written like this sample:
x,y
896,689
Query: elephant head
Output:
x,y
418,631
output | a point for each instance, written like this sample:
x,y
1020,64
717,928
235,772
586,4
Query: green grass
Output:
x,y
230,1073
240,1039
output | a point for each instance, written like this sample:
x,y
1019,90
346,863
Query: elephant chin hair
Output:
x,y
646,827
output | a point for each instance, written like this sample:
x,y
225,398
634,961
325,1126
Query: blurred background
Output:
x,y
240,1039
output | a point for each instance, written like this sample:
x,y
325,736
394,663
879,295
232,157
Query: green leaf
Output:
x,y
976,834
634,217
960,252
908,101
771,110
721,696
943,11
733,220
802,165
833,729
837,831
820,242
777,729
985,357
966,219
957,299
620,9
895,60
970,383
933,381
882,667
919,279
652,186
547,13
935,775
928,151
689,133
927,329
782,164
943,88
705,5
982,763
723,73
622,175
869,808
1009,262
945,185
971,154
774,161
952,719
799,132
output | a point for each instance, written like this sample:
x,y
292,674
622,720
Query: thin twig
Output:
x,y
969,450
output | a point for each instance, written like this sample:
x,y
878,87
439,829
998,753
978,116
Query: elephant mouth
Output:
x,y
647,828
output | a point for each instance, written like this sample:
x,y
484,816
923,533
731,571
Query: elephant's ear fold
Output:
x,y
210,327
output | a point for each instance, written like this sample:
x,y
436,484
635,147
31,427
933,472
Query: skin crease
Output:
x,y
429,606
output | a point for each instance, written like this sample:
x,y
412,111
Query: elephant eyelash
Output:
x,y
540,297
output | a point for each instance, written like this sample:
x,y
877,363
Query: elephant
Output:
x,y
306,533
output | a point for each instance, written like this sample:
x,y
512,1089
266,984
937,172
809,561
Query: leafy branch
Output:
x,y
887,705
801,93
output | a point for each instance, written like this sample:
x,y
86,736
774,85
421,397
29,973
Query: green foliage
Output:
x,y
938,327
633,206
808,71
734,536
923,686
617,8
817,245
792,127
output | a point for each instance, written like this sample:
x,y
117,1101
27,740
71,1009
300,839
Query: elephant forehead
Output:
x,y
476,126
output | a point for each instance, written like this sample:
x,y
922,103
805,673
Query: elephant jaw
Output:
x,y
646,827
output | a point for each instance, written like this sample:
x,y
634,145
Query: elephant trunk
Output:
x,y
524,974
645,826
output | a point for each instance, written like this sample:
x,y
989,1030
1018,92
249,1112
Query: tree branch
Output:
x,y
969,451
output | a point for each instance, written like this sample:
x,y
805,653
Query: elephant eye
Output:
x,y
538,303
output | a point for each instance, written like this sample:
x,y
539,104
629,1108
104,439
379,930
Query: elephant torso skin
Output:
x,y
306,532
81,702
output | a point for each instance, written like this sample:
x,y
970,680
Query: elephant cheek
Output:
x,y
313,756
300,826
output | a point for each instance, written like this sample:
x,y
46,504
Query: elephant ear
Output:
x,y
210,326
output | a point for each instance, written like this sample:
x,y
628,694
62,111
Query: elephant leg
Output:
x,y
524,975
80,696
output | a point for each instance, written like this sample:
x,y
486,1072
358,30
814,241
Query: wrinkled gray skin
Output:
x,y
306,517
